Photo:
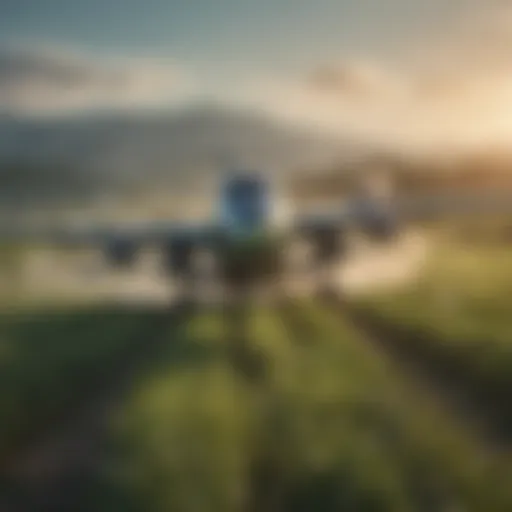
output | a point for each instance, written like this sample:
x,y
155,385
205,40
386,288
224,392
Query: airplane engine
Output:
x,y
121,253
328,243
179,254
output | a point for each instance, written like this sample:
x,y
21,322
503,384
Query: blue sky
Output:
x,y
228,34
413,71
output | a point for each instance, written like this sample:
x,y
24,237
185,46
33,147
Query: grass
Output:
x,y
330,427
51,360
325,423
457,317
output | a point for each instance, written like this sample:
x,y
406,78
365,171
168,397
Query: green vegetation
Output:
x,y
34,185
457,318
11,272
51,361
325,424
329,427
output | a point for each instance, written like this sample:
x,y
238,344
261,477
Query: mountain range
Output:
x,y
45,160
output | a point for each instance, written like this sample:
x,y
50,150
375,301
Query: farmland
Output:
x,y
52,360
289,409
329,427
306,405
456,319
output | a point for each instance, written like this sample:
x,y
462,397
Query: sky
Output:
x,y
410,71
226,33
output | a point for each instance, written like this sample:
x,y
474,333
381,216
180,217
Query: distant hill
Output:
x,y
51,159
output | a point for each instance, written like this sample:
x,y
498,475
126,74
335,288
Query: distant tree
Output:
x,y
29,184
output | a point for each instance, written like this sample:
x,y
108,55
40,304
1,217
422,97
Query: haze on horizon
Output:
x,y
407,73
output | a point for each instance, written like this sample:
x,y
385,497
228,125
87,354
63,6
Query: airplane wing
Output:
x,y
378,220
89,234
119,243
381,219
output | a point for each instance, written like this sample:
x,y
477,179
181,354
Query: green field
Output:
x,y
457,317
327,427
52,360
325,423
290,408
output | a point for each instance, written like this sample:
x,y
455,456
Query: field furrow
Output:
x,y
101,360
455,328
328,424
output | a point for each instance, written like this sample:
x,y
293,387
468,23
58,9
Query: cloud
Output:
x,y
451,91
353,100
52,80
357,80
447,90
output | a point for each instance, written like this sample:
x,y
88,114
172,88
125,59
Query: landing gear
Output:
x,y
179,264
121,253
329,248
251,269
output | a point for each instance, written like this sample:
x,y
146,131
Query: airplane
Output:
x,y
248,234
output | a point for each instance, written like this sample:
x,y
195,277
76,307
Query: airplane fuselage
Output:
x,y
249,228
247,207
251,232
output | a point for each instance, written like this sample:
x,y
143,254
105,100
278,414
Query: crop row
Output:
x,y
457,320
50,362
330,426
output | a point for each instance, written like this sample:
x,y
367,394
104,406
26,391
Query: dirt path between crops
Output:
x,y
435,382
436,385
47,475
387,268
